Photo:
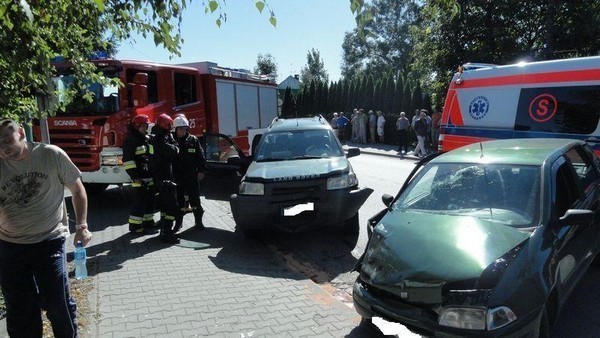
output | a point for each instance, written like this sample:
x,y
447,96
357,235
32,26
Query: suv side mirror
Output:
x,y
577,217
352,152
387,200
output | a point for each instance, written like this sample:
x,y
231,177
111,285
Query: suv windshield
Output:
x,y
105,98
503,193
298,144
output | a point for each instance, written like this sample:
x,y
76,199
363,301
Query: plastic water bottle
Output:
x,y
80,260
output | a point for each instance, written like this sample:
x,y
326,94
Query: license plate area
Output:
x,y
294,210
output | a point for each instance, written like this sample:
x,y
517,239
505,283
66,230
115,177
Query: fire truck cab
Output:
x,y
558,98
221,104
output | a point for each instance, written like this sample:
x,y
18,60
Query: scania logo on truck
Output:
x,y
65,122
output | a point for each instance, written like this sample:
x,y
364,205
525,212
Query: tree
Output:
x,y
287,107
388,45
33,33
501,33
266,65
315,68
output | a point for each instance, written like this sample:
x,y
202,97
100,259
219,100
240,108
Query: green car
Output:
x,y
485,240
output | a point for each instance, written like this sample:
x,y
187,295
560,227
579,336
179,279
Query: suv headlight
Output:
x,y
476,318
340,182
251,188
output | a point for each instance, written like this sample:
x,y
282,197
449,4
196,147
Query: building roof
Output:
x,y
291,82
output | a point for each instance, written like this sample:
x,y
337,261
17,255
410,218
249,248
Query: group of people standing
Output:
x,y
424,127
165,167
360,127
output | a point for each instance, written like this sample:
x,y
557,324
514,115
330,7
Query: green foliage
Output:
x,y
32,34
314,69
500,32
388,44
287,107
266,65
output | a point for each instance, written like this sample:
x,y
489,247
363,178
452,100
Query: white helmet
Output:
x,y
181,121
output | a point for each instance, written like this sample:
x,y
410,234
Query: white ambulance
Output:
x,y
559,98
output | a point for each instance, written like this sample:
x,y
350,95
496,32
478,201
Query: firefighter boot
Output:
x,y
167,235
178,222
198,218
136,228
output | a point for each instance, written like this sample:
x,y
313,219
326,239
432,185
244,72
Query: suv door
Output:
x,y
223,156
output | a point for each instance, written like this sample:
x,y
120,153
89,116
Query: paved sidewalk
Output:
x,y
232,288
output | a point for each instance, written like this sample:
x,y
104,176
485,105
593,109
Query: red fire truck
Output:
x,y
222,105
558,98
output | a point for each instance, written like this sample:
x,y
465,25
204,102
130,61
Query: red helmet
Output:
x,y
138,120
164,121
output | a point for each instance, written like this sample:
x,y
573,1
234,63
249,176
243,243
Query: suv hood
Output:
x,y
291,170
415,249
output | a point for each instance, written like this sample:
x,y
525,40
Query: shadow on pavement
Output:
x,y
239,255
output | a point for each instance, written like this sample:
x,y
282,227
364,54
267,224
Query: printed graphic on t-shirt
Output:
x,y
21,188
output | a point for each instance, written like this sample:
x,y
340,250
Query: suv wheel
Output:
x,y
351,225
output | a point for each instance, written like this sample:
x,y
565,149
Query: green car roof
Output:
x,y
530,151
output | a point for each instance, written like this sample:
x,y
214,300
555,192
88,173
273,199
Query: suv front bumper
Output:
x,y
329,207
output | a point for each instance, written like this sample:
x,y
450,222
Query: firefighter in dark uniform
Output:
x,y
188,169
137,153
165,151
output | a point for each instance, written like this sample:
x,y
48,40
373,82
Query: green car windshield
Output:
x,y
504,193
297,145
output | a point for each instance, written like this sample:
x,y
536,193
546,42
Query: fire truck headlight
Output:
x,y
112,160
251,188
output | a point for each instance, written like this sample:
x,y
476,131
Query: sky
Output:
x,y
301,25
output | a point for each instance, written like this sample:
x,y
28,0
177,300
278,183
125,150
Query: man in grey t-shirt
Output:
x,y
33,229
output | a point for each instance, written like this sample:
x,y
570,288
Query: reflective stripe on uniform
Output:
x,y
129,165
150,149
169,218
140,150
148,217
191,150
136,185
135,219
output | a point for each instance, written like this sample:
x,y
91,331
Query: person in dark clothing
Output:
x,y
188,169
137,152
165,151
421,130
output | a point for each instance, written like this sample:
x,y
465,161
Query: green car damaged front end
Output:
x,y
448,274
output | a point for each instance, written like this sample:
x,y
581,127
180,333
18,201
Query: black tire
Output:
x,y
352,225
95,188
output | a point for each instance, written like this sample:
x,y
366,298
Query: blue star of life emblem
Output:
x,y
479,107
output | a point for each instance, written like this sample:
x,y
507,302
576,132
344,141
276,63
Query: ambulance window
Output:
x,y
185,88
152,84
569,110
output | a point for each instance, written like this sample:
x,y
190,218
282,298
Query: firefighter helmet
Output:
x,y
138,120
181,121
164,121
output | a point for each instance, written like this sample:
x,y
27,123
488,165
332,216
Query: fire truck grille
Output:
x,y
81,146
